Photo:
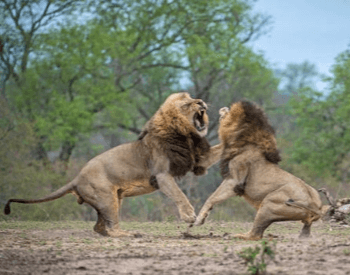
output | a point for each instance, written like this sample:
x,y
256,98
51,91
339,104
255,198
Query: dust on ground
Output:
x,y
73,248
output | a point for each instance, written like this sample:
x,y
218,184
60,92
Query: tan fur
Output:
x,y
171,144
250,155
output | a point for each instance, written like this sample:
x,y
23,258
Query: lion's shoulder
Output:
x,y
244,126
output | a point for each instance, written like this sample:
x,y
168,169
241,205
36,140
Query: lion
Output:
x,y
171,144
249,167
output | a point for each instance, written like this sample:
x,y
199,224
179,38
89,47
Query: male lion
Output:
x,y
171,144
249,166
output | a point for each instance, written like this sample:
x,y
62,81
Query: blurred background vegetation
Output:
x,y
81,76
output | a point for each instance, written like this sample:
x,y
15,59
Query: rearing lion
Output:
x,y
249,166
171,144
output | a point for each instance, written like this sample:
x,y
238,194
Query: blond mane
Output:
x,y
173,134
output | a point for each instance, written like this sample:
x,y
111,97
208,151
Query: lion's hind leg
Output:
x,y
262,220
306,230
100,226
108,221
273,209
106,200
311,214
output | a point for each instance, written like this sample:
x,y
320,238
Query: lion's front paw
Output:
x,y
200,220
188,215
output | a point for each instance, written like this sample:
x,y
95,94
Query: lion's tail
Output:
x,y
316,212
68,188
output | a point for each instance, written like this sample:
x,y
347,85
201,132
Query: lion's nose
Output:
x,y
202,104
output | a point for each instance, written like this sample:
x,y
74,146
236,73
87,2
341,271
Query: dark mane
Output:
x,y
253,128
184,152
255,117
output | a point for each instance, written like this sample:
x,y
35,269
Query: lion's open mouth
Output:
x,y
198,120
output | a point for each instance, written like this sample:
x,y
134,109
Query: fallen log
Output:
x,y
339,210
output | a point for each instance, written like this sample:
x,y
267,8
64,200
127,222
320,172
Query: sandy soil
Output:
x,y
68,248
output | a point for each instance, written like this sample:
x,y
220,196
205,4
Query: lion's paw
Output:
x,y
117,233
200,220
248,237
189,217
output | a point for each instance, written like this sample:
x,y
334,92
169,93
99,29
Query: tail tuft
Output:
x,y
7,209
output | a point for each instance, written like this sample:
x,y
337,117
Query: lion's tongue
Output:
x,y
199,123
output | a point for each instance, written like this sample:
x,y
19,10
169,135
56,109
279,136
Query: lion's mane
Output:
x,y
171,133
246,124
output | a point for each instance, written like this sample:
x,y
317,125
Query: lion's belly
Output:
x,y
253,201
126,163
263,182
136,188
275,179
254,194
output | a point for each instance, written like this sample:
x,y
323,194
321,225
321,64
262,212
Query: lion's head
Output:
x,y
246,124
178,129
184,113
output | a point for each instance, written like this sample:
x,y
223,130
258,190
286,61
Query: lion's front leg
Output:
x,y
238,174
213,156
224,191
169,187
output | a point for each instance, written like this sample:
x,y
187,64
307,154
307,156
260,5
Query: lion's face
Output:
x,y
229,118
195,111
223,112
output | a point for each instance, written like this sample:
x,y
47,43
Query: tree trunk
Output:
x,y
40,152
66,151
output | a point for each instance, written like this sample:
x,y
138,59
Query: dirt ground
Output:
x,y
73,248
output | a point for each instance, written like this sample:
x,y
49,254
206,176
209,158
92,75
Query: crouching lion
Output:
x,y
171,144
249,166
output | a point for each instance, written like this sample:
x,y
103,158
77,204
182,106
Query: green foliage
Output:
x,y
68,84
346,251
233,209
199,44
23,177
323,138
255,258
112,71
295,77
134,54
154,207
33,181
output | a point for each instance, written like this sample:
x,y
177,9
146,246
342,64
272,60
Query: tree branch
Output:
x,y
168,65
143,113
131,129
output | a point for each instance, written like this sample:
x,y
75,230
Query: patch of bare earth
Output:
x,y
166,250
